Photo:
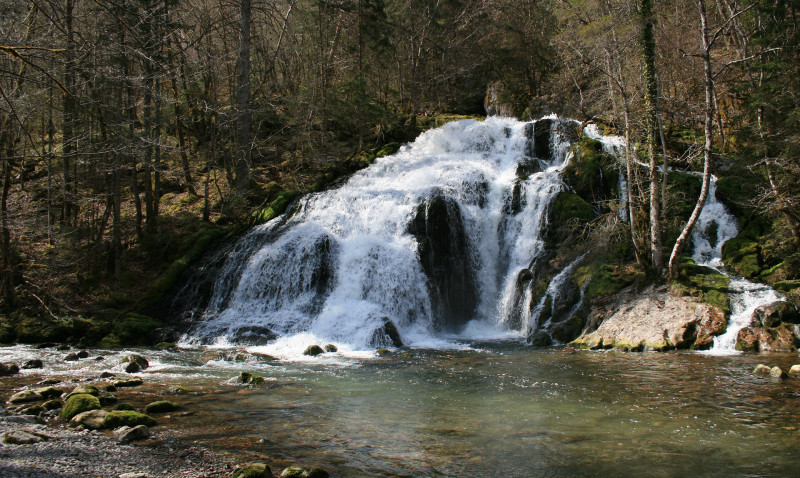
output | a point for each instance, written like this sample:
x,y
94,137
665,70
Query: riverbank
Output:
x,y
56,451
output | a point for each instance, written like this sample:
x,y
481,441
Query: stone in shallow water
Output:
x,y
253,470
35,363
128,434
25,396
795,370
762,369
24,437
92,420
776,372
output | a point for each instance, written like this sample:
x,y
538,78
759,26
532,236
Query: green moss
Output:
x,y
313,350
593,174
135,329
569,205
161,406
275,208
251,378
79,403
703,282
253,470
127,418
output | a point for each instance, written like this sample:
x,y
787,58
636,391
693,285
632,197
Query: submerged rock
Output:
x,y
331,348
250,378
386,335
253,470
777,372
295,471
161,406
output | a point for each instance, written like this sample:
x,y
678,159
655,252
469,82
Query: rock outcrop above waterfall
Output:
x,y
653,319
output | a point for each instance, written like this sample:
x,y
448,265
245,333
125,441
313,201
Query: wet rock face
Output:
x,y
772,330
444,256
767,339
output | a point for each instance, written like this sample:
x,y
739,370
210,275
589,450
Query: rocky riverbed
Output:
x,y
110,424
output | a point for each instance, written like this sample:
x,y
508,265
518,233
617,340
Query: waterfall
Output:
x,y
715,226
420,244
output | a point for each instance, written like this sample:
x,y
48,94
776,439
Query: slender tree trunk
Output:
x,y
651,106
68,116
243,140
708,128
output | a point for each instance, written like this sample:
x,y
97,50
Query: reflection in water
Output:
x,y
495,409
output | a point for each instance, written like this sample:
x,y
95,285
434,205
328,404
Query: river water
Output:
x,y
486,409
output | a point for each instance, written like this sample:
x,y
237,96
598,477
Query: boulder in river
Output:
x,y
794,371
7,369
253,470
774,313
161,406
119,418
91,420
313,350
79,403
762,339
31,364
135,359
50,392
128,434
25,396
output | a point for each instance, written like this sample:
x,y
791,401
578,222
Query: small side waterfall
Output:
x,y
418,245
715,226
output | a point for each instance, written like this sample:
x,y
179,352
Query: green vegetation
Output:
x,y
127,418
703,282
79,403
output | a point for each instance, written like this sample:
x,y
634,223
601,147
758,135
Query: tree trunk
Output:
x,y
243,100
708,127
68,116
651,120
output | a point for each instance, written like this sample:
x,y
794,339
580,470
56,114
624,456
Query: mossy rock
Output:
x,y
250,378
135,329
133,382
127,418
313,350
275,208
78,404
166,346
161,406
593,174
85,388
703,282
50,392
331,348
383,351
54,404
295,471
253,470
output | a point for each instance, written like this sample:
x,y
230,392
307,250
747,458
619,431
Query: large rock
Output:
x,y
25,396
92,420
130,418
141,363
651,319
31,364
762,339
772,314
7,369
50,392
445,257
128,434
80,403
253,470
24,437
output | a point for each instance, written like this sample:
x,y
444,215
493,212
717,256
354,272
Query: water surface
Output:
x,y
484,409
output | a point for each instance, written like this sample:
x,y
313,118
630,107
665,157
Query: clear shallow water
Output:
x,y
486,409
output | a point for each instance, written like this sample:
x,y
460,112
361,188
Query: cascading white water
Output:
x,y
715,226
346,262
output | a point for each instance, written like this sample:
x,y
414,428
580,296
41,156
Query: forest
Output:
x,y
136,134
